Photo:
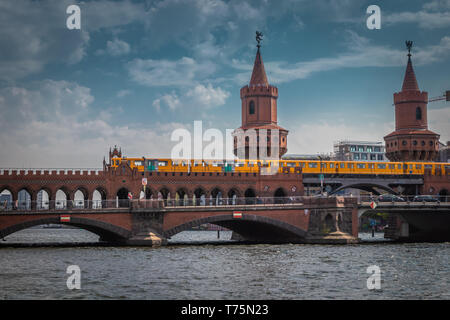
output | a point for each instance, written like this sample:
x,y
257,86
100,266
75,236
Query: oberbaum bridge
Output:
x,y
256,207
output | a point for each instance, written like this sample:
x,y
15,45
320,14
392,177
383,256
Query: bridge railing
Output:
x,y
52,205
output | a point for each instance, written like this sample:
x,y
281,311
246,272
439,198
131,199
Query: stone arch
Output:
x,y
366,187
24,198
106,231
99,198
280,195
80,197
181,196
43,198
250,196
251,227
216,196
122,197
199,196
62,198
233,195
7,197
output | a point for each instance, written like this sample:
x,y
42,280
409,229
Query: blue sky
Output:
x,y
137,70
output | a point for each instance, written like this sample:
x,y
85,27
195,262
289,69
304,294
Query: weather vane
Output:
x,y
409,44
259,36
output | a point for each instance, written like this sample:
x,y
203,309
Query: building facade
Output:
x,y
348,150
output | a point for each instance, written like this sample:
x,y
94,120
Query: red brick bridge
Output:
x,y
148,222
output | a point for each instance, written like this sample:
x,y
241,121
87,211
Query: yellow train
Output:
x,y
307,166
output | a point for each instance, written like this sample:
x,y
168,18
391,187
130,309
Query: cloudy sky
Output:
x,y
137,70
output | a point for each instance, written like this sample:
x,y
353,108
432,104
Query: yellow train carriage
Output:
x,y
307,166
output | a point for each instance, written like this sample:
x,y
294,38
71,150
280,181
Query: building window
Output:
x,y
423,143
364,156
369,149
353,148
361,149
418,113
251,107
431,143
373,157
356,156
377,149
380,157
404,142
415,142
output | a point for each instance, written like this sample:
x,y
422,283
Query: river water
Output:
x,y
189,268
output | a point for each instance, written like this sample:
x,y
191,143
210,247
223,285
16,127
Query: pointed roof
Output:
x,y
410,82
259,77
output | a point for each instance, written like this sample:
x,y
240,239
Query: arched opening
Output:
x,y
232,197
6,199
99,198
280,196
50,229
42,200
199,197
216,196
80,199
251,107
61,199
122,200
148,193
329,225
24,200
181,197
443,195
250,196
418,113
250,227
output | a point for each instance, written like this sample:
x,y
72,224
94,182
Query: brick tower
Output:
x,y
259,112
411,140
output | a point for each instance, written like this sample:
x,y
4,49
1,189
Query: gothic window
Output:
x,y
418,113
251,107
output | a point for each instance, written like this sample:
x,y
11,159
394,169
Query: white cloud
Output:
x,y
123,93
182,72
199,97
53,124
117,47
425,20
361,54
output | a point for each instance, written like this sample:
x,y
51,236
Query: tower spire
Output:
x,y
409,82
259,77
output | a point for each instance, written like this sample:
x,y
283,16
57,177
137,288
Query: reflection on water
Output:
x,y
232,271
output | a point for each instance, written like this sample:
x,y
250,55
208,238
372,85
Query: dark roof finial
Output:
x,y
409,44
259,36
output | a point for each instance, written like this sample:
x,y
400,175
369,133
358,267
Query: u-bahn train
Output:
x,y
292,166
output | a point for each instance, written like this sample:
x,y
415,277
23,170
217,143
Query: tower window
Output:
x,y
251,107
418,113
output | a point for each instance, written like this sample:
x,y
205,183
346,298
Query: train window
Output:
x,y
323,165
391,166
361,165
428,166
162,163
399,166
371,166
418,166
331,165
138,163
342,165
410,166
350,165
381,166
291,164
312,165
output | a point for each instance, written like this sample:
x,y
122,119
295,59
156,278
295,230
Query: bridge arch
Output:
x,y
250,227
106,231
365,187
